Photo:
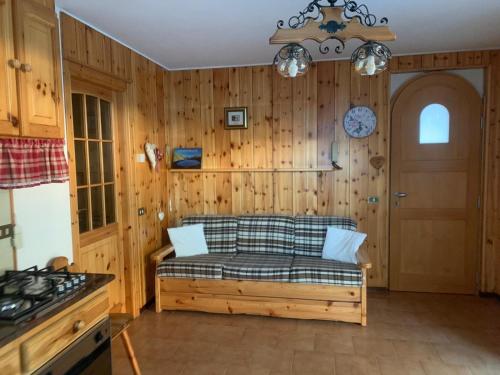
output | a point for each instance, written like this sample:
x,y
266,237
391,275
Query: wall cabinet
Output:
x,y
30,79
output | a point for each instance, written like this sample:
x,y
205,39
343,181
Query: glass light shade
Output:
x,y
371,58
292,60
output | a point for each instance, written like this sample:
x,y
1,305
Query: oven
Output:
x,y
89,355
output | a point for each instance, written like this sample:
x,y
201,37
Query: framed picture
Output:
x,y
236,118
187,158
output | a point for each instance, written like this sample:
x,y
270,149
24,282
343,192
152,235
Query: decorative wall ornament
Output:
x,y
187,158
236,117
360,122
324,20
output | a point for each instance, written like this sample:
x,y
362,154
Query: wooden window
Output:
x,y
95,177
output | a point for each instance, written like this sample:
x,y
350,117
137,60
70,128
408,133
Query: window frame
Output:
x,y
100,95
426,107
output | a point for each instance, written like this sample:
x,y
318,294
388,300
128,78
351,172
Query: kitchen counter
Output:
x,y
9,332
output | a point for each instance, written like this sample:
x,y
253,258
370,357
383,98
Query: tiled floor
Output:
x,y
407,334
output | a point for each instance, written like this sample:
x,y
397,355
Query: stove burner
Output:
x,y
9,304
24,293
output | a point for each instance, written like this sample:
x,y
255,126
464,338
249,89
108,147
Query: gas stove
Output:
x,y
24,294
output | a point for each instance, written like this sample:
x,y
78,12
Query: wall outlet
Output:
x,y
141,211
373,200
140,158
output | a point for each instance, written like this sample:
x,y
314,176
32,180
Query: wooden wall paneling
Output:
x,y
305,141
130,224
207,118
445,60
282,144
409,63
210,199
74,41
240,95
491,236
377,225
326,135
162,142
193,138
263,191
222,137
120,61
146,194
223,193
192,121
176,108
262,116
342,104
246,100
98,50
470,59
234,101
358,155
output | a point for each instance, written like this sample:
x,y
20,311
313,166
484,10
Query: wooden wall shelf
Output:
x,y
258,170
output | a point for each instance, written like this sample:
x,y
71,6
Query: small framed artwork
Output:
x,y
187,158
236,118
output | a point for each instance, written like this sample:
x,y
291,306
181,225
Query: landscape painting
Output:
x,y
187,158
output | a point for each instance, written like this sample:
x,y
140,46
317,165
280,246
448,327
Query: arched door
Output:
x,y
435,185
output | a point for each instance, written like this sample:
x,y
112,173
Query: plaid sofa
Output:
x,y
265,248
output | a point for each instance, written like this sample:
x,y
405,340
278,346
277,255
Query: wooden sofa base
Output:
x,y
284,300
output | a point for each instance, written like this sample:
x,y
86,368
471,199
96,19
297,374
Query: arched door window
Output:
x,y
434,124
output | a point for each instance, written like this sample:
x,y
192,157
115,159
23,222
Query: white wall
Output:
x,y
43,224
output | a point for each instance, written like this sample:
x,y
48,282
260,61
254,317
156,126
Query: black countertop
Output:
x,y
9,332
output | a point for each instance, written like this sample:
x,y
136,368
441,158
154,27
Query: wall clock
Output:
x,y
360,122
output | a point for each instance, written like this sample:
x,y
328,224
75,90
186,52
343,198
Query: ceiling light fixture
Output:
x,y
323,20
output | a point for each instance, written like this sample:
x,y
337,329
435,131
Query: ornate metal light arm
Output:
x,y
323,20
351,10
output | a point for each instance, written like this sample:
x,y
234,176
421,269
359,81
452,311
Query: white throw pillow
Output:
x,y
342,245
188,240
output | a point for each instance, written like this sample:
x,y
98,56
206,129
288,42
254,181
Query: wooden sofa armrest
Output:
x,y
161,253
363,259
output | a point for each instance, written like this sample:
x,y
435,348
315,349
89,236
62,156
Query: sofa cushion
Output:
x,y
313,270
220,231
310,232
265,234
263,267
206,266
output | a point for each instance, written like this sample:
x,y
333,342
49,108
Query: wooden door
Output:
x,y
9,124
435,185
37,46
95,180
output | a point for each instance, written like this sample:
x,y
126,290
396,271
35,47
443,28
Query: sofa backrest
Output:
x,y
310,232
220,231
266,234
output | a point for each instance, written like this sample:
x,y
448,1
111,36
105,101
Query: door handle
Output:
x,y
400,194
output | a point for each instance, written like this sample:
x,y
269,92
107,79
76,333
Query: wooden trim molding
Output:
x,y
94,76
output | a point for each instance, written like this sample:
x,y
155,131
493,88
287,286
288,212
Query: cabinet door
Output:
x,y
8,95
37,46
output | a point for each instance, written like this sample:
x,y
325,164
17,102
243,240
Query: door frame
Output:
x,y
481,235
124,160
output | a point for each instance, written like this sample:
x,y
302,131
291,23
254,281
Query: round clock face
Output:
x,y
360,122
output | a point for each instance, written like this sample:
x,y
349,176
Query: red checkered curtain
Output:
x,y
32,162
